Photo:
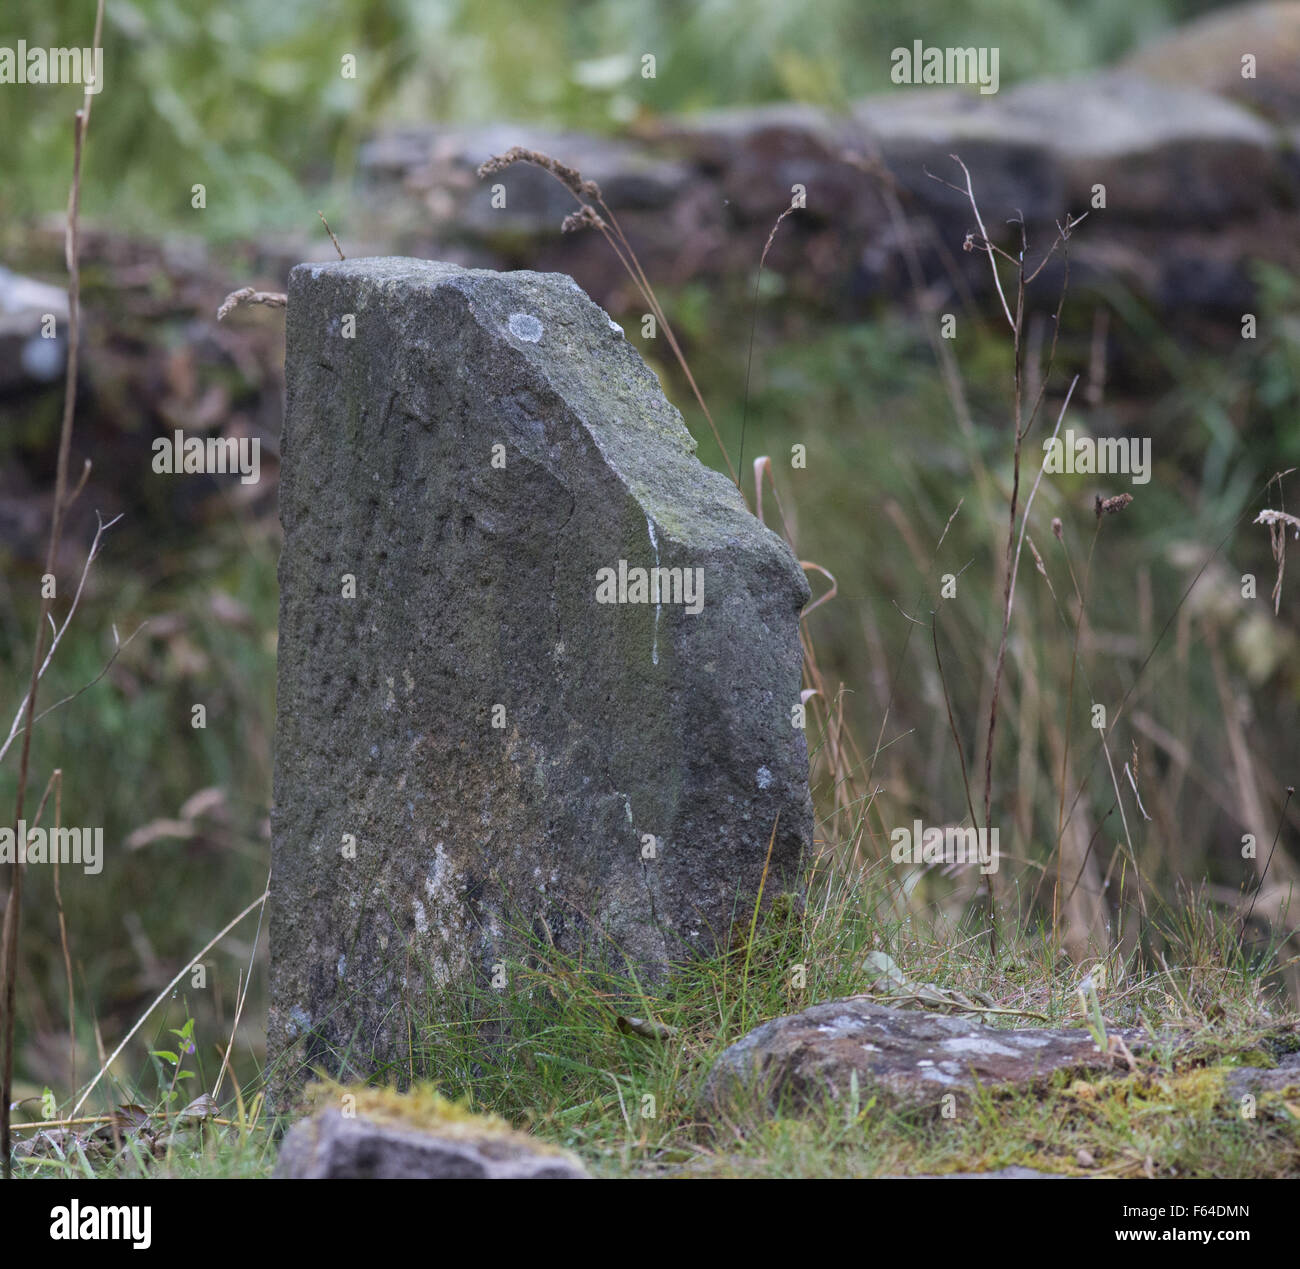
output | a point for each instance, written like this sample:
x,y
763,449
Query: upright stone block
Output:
x,y
493,719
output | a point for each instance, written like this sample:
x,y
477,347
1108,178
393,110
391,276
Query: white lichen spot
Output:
x,y
343,964
299,1021
839,1026
764,777
939,1077
526,327
421,918
1030,1041
654,542
978,1044
615,327
436,879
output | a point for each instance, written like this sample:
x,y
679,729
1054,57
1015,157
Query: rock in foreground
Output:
x,y
376,1142
908,1058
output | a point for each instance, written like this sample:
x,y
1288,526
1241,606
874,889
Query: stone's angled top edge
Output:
x,y
416,270
522,306
377,269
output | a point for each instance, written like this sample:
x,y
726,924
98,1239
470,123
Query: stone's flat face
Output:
x,y
489,459
911,1058
330,1146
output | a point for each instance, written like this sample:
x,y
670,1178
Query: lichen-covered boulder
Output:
x,y
908,1058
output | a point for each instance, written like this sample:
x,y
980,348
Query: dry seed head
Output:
x,y
585,217
1279,517
568,176
1109,506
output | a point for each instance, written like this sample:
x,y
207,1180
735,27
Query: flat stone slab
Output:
x,y
331,1146
912,1058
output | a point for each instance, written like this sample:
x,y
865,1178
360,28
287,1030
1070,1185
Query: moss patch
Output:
x,y
422,1108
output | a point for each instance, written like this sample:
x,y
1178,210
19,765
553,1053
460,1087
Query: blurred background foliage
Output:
x,y
247,97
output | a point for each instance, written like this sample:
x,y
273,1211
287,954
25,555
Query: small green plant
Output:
x,y
176,1060
1091,1003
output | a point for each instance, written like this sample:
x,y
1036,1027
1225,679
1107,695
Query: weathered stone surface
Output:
x,y
909,1058
476,605
330,1146
1260,1079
